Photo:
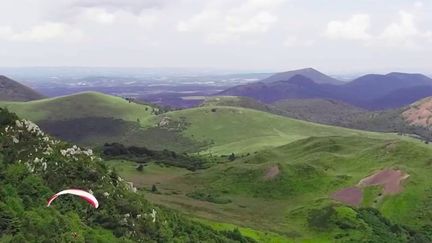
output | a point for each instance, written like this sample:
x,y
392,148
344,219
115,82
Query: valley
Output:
x,y
294,170
215,121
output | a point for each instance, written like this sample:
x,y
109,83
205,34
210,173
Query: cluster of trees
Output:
x,y
145,155
123,215
365,225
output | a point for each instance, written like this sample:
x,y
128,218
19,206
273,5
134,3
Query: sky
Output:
x,y
256,35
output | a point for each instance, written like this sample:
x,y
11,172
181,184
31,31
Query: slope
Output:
x,y
310,73
229,130
81,105
14,91
370,91
34,166
288,190
413,120
325,111
94,119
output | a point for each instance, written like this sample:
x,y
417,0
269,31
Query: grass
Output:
x,y
93,119
372,196
82,105
239,130
310,170
260,236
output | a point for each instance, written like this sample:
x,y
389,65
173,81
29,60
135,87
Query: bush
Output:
x,y
208,197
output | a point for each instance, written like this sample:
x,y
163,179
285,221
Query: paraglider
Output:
x,y
83,194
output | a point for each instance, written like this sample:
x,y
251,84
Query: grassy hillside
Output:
x,y
287,190
11,90
94,119
82,105
239,130
34,166
412,120
238,101
323,111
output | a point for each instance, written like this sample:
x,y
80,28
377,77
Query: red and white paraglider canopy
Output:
x,y
83,194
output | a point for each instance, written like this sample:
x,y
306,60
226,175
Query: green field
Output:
x,y
310,170
240,130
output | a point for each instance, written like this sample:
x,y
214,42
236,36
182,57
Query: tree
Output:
x,y
140,168
154,188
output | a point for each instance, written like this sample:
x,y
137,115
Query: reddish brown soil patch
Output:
x,y
419,113
352,196
271,172
389,179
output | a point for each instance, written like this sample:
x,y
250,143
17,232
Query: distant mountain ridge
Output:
x,y
310,73
11,90
371,91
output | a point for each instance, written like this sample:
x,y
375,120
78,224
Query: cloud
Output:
x,y
42,32
405,32
99,15
293,41
227,23
402,33
259,23
355,28
418,4
135,6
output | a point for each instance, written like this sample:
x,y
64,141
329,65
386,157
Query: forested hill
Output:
x,y
33,166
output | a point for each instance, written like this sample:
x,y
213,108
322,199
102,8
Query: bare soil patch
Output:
x,y
352,196
272,172
391,180
420,113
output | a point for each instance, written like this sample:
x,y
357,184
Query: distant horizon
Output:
x,y
223,71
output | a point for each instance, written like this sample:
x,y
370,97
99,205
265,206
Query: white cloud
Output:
x,y
260,22
227,23
42,32
402,33
135,6
293,41
98,15
405,32
418,4
355,28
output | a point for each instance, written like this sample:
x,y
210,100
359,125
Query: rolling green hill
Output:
x,y
238,101
412,120
33,167
325,111
94,119
287,190
279,180
240,130
81,105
